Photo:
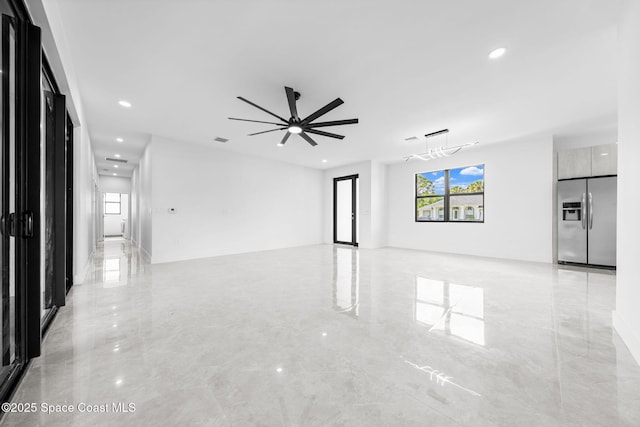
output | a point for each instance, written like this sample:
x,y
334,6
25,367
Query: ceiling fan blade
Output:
x,y
263,109
255,121
265,131
291,97
333,123
308,139
324,110
285,137
319,132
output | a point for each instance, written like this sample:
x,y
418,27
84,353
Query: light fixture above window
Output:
x,y
440,151
125,104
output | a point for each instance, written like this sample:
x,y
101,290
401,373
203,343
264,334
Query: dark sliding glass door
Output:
x,y
345,210
20,52
8,190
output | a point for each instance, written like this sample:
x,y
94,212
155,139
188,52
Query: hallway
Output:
x,y
328,335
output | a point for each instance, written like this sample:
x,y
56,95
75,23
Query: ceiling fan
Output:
x,y
296,125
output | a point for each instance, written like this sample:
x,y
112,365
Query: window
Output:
x,y
112,203
451,195
468,213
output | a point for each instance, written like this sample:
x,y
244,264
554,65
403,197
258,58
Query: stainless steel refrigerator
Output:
x,y
587,221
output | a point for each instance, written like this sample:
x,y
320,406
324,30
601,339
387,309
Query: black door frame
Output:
x,y
25,228
69,208
354,214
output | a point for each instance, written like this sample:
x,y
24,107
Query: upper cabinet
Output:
x,y
585,162
574,163
604,160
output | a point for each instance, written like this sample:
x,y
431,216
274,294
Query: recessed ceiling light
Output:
x,y
115,174
497,53
116,166
324,160
117,155
119,139
604,154
125,104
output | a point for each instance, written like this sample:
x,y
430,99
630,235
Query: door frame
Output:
x,y
354,213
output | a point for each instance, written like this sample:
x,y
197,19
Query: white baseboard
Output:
x,y
628,334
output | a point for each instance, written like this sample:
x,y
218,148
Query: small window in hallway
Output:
x,y
112,203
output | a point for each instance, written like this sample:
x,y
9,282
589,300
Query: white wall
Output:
x,y
145,218
586,139
626,318
115,184
518,203
134,210
379,205
228,203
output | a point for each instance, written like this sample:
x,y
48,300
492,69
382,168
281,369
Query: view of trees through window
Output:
x,y
451,195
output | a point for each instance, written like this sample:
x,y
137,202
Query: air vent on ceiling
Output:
x,y
106,170
115,160
218,139
411,138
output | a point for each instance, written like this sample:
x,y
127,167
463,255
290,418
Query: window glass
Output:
x,y
467,180
430,183
112,197
429,209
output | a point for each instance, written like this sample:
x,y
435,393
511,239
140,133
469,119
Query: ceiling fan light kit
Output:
x,y
297,126
437,152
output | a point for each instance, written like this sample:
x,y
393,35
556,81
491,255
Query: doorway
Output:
x,y
346,210
116,215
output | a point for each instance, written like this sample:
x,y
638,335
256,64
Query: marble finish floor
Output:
x,y
327,335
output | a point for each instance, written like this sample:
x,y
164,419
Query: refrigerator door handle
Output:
x,y
590,211
582,214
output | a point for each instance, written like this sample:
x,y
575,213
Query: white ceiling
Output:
x,y
403,68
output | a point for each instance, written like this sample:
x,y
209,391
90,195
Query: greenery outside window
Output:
x,y
112,204
450,195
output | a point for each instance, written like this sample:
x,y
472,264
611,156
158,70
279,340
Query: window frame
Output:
x,y
119,203
447,199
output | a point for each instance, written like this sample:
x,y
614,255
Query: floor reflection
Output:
x,y
346,281
456,310
120,262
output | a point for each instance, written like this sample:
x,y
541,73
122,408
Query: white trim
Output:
x,y
629,335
